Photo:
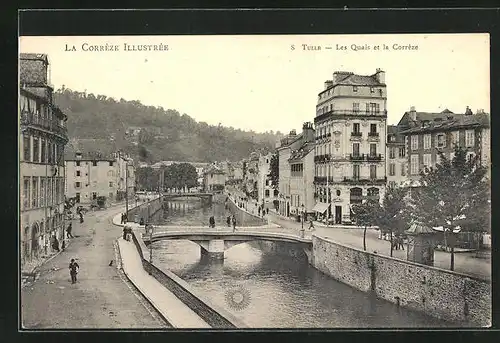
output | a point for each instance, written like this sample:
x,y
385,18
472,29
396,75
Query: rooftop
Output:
x,y
301,152
90,148
31,72
457,122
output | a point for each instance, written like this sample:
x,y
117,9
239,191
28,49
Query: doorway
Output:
x,y
338,214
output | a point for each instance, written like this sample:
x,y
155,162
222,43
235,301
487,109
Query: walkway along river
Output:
x,y
284,292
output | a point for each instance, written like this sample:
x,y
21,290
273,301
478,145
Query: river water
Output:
x,y
281,292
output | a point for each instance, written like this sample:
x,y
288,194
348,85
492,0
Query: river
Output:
x,y
282,292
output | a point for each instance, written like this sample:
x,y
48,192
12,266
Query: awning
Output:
x,y
320,207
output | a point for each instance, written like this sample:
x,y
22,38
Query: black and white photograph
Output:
x,y
329,181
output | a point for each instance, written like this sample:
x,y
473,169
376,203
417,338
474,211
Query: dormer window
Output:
x,y
425,123
355,89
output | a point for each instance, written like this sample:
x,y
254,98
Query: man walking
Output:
x,y
234,223
68,231
73,270
311,225
212,222
228,221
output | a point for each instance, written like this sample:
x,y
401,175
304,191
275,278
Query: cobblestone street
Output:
x,y
102,297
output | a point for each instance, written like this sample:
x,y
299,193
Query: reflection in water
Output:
x,y
285,291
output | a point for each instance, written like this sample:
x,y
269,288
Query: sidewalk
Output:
x,y
171,308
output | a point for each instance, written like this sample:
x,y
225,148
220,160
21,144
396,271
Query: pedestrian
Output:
x,y
123,218
234,223
311,225
55,243
228,221
211,221
141,222
401,243
73,270
124,233
81,217
68,231
267,210
259,211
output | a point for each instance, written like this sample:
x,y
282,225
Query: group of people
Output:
x,y
230,219
124,218
398,242
263,210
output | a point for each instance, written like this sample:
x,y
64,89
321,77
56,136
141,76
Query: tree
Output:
x,y
147,178
391,215
274,171
453,194
180,175
364,215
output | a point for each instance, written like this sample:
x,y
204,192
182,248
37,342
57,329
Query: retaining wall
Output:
x,y
244,218
214,315
437,292
280,248
141,210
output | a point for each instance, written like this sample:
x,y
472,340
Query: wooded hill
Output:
x,y
153,134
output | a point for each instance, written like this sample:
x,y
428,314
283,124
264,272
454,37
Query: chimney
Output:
x,y
380,75
468,111
307,132
293,133
413,113
328,84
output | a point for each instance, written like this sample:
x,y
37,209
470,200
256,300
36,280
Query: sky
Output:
x,y
260,83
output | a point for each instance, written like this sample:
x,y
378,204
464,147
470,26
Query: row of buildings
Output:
x,y
52,168
349,153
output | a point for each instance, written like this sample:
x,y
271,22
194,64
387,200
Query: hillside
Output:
x,y
153,134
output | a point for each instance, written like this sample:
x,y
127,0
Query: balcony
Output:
x,y
322,158
356,157
364,180
373,136
320,117
374,157
29,119
319,179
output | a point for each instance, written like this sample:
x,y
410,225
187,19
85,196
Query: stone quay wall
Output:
x,y
437,292
242,216
141,210
214,315
280,248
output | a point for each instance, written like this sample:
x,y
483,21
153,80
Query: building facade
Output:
x,y
214,179
397,163
350,160
43,136
90,176
265,191
425,138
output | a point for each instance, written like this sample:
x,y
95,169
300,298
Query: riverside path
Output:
x,y
102,297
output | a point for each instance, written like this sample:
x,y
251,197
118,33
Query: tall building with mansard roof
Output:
x,y
350,127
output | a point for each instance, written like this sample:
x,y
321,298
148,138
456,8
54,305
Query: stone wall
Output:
x,y
142,209
280,248
215,316
244,218
439,293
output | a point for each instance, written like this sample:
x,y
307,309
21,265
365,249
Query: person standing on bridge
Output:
x,y
228,221
234,223
211,221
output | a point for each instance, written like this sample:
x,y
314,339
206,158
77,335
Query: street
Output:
x,y
101,298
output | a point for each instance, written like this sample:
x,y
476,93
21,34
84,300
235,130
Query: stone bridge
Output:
x,y
215,243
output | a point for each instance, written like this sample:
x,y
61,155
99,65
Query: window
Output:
x,y
392,169
77,163
403,169
354,89
111,173
373,108
392,184
78,173
34,200
110,163
372,90
355,171
77,196
43,153
469,138
373,171
373,149
26,148
78,184
414,167
94,163
455,138
441,140
402,152
392,138
42,191
427,142
110,184
392,152
355,127
36,149
470,156
94,195
355,149
267,193
355,107
427,161
373,128
414,142
26,192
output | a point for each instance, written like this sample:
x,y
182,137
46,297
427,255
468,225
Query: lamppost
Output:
x,y
303,216
151,229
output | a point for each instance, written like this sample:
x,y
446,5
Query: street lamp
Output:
x,y
302,216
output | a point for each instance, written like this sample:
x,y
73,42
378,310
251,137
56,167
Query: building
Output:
x,y
91,175
265,191
350,125
397,164
43,137
428,133
214,179
296,172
